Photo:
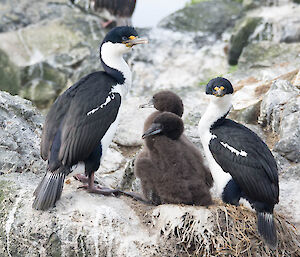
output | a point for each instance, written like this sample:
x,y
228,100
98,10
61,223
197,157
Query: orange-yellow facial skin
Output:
x,y
131,38
218,91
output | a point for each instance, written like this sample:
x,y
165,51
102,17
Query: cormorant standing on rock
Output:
x,y
82,122
171,169
241,163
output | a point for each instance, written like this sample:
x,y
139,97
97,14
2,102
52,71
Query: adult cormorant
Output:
x,y
241,163
82,121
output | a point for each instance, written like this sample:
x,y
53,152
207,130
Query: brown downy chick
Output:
x,y
163,101
173,167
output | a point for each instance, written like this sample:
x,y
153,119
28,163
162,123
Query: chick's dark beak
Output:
x,y
132,41
154,129
150,104
219,91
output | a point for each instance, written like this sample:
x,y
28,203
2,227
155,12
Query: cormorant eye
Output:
x,y
124,38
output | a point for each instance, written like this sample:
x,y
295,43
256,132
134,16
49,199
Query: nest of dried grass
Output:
x,y
220,230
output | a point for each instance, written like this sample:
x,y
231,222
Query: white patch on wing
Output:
x,y
107,100
233,150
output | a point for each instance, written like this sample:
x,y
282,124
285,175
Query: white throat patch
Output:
x,y
216,109
112,56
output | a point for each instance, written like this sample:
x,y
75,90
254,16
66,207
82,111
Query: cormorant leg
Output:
x,y
108,24
91,188
136,197
232,193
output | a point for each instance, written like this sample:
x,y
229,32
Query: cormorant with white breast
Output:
x,y
171,170
241,163
82,121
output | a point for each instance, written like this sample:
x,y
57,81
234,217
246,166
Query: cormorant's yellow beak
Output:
x,y
219,91
132,41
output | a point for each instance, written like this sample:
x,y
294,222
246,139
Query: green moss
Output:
x,y
9,75
213,16
195,2
232,68
239,39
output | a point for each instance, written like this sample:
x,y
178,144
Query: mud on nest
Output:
x,y
219,230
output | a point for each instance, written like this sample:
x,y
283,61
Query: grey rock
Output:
x,y
279,94
130,129
54,35
268,54
20,130
42,83
9,75
16,14
280,112
289,183
239,39
247,115
291,31
174,61
208,17
289,143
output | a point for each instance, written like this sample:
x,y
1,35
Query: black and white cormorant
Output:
x,y
82,121
241,163
172,171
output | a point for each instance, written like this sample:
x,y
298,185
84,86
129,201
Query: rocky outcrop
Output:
x,y
45,48
9,74
280,111
208,17
240,37
181,58
20,128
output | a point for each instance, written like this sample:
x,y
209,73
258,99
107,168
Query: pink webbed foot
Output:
x,y
83,179
100,190
108,24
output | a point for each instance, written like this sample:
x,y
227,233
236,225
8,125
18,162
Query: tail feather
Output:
x,y
267,229
49,190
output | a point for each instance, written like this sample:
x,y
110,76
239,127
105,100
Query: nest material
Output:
x,y
220,230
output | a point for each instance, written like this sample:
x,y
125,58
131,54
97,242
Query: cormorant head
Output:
x,y
219,87
167,124
121,39
166,101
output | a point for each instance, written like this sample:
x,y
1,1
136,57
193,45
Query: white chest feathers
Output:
x,y
216,109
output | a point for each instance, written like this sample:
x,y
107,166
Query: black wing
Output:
x,y
55,116
240,152
92,110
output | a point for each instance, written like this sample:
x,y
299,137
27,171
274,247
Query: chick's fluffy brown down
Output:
x,y
172,171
